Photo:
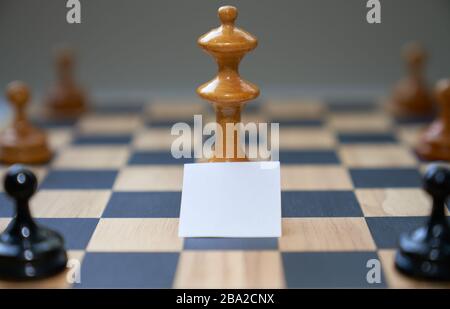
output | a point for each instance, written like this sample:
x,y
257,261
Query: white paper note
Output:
x,y
231,200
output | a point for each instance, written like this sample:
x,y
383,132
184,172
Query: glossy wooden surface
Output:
x,y
411,96
20,142
434,143
65,98
228,92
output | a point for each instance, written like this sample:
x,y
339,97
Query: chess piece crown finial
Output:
x,y
228,44
227,14
228,38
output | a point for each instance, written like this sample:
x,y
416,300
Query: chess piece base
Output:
x,y
432,152
11,270
45,257
66,112
418,257
31,150
65,103
404,109
434,144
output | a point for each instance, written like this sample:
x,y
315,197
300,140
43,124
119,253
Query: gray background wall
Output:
x,y
148,47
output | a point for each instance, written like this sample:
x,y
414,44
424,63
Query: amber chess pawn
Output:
x,y
228,92
434,144
65,98
20,142
411,97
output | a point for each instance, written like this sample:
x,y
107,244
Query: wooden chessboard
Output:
x,y
350,185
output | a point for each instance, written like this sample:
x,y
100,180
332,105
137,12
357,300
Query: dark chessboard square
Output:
x,y
309,157
162,123
245,140
143,205
128,270
414,120
71,179
351,106
76,231
387,230
422,160
366,138
319,204
231,244
328,270
111,109
54,123
252,107
156,157
260,138
6,206
386,178
97,140
298,122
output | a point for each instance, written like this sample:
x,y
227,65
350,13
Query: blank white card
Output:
x,y
231,200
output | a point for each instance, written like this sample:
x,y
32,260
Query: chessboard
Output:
x,y
351,184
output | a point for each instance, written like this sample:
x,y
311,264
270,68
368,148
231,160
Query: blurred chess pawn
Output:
x,y
411,97
434,144
65,99
425,252
20,142
27,249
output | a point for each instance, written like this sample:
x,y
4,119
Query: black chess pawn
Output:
x,y
28,250
425,253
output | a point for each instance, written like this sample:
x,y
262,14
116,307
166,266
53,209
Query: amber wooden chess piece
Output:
x,y
411,97
20,142
65,99
434,144
228,92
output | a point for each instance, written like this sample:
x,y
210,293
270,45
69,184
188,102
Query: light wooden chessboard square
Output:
x,y
351,184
